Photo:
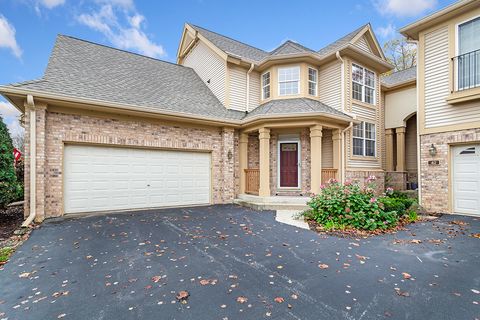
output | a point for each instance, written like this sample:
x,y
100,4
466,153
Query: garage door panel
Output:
x,y
107,178
466,179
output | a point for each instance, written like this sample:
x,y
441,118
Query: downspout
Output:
x,y
343,151
342,88
342,79
30,104
248,86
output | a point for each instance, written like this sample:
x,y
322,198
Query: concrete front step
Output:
x,y
271,206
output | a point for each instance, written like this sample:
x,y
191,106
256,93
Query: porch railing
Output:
x,y
466,70
252,181
328,173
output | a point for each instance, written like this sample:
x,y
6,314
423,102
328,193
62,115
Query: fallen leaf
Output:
x,y
402,293
156,278
406,275
416,241
278,299
294,296
60,316
182,295
323,266
242,299
475,291
24,275
476,235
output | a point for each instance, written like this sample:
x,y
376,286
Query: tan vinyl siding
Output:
x,y
411,144
255,90
363,44
364,113
209,66
437,87
329,86
327,149
370,114
238,88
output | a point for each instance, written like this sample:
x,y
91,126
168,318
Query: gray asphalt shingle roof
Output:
x,y
340,43
290,47
399,77
233,46
294,105
243,50
82,69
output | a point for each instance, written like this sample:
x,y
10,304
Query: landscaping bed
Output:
x,y
355,210
11,232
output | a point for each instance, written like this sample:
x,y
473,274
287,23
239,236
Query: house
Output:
x,y
112,130
449,107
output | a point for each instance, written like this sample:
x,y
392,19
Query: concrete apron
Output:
x,y
291,217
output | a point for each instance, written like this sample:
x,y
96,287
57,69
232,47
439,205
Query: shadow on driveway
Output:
x,y
128,266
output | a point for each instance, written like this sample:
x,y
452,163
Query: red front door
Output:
x,y
289,165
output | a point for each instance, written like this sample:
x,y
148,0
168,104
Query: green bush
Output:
x,y
351,205
397,201
10,189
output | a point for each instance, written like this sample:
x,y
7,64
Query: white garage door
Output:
x,y
466,179
108,178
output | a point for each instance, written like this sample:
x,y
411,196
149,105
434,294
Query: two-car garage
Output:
x,y
98,178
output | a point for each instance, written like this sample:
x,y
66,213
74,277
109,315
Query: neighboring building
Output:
x,y
449,107
110,130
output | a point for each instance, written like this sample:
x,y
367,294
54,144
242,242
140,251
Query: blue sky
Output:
x,y
28,27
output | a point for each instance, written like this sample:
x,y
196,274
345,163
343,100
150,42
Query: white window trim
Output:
x,y
315,82
457,47
364,139
299,82
364,85
269,85
299,147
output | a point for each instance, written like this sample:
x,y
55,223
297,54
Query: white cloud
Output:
x,y
7,110
50,4
11,117
7,37
124,34
404,8
386,32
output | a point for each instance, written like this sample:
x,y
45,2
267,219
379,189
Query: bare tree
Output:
x,y
400,53
18,141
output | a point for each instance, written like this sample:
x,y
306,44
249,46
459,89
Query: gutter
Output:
x,y
248,86
342,82
30,104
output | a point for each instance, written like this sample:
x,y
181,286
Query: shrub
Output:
x,y
351,205
10,189
397,201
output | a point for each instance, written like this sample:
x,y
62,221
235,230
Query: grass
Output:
x,y
5,254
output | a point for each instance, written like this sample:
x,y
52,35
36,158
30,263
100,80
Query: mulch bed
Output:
x,y
356,233
10,220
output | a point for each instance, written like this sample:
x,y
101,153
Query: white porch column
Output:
x,y
337,152
264,137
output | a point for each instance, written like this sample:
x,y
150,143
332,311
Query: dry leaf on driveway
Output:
x,y
278,299
242,299
323,266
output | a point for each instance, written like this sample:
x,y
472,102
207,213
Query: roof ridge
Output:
x,y
305,100
219,34
117,49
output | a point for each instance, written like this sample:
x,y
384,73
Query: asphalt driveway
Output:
x,y
129,266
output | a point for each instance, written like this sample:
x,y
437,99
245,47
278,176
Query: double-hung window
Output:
x,y
364,139
363,84
289,81
266,85
312,81
468,59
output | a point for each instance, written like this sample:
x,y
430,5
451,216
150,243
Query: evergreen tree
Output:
x,y
9,187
